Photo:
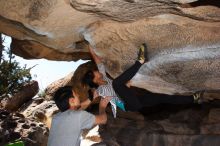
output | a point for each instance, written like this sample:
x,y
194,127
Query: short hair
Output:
x,y
61,97
88,79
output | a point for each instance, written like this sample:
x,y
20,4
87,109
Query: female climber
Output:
x,y
122,95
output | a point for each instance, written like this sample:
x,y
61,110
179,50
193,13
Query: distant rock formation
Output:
x,y
26,94
53,87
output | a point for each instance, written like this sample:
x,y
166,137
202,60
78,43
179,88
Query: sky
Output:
x,y
46,71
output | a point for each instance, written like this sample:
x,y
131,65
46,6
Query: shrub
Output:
x,y
12,75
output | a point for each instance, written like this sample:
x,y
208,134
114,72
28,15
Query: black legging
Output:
x,y
135,103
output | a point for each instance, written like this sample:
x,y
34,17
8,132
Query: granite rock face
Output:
x,y
183,37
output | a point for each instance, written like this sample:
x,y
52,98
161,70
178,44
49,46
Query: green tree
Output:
x,y
12,75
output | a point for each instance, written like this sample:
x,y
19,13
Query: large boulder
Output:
x,y
183,37
25,94
53,87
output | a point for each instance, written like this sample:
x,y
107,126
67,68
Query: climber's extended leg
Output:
x,y
152,99
129,73
119,84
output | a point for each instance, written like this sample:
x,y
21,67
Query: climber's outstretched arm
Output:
x,y
95,57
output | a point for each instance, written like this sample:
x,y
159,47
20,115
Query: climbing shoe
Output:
x,y
198,97
142,54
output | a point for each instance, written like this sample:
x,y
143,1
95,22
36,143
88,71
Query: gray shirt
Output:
x,y
66,127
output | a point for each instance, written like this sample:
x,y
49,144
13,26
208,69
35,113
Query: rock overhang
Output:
x,y
183,39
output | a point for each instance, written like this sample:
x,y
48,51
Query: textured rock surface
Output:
x,y
51,28
165,125
16,126
40,109
24,95
183,37
181,58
